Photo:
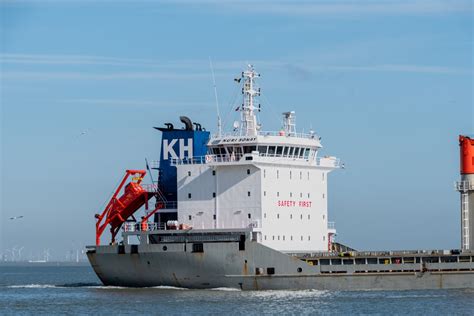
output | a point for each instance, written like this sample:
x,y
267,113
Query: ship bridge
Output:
x,y
271,147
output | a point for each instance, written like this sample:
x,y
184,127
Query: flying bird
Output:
x,y
16,217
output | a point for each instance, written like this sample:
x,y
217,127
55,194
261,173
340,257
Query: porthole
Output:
x,y
165,248
299,270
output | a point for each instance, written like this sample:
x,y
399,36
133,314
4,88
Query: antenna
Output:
x,y
219,124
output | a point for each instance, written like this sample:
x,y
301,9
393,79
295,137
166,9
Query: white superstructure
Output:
x,y
272,182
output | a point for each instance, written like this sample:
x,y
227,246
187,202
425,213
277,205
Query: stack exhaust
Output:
x,y
466,189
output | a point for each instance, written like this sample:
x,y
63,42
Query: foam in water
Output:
x,y
31,286
225,289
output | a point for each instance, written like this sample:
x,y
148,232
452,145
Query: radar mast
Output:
x,y
249,126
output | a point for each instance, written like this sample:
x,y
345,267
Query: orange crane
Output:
x,y
119,209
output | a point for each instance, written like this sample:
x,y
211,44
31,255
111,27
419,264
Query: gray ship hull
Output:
x,y
248,265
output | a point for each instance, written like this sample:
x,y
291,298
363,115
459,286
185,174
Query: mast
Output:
x,y
248,119
219,123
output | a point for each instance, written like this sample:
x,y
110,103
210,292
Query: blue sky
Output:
x,y
387,84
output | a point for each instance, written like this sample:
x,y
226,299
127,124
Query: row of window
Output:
x,y
291,194
291,216
393,260
277,174
214,194
283,237
214,172
272,151
264,194
265,216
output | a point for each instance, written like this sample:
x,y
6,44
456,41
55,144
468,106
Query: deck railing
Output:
x,y
137,227
331,162
270,133
464,185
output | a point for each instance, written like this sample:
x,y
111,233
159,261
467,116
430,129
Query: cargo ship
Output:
x,y
248,210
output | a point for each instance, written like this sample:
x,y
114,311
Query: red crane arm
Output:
x,y
120,208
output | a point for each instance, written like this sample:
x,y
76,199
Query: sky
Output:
x,y
388,85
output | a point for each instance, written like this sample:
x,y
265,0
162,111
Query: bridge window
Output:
x,y
306,153
371,260
324,262
198,247
279,150
262,150
297,150
291,151
301,152
285,151
360,260
271,150
249,149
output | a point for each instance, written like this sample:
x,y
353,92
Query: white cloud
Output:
x,y
45,75
135,68
125,102
396,68
293,7
332,8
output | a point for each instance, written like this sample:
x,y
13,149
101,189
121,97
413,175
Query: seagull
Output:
x,y
16,217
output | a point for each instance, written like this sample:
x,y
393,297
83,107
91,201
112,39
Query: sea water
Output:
x,y
76,290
